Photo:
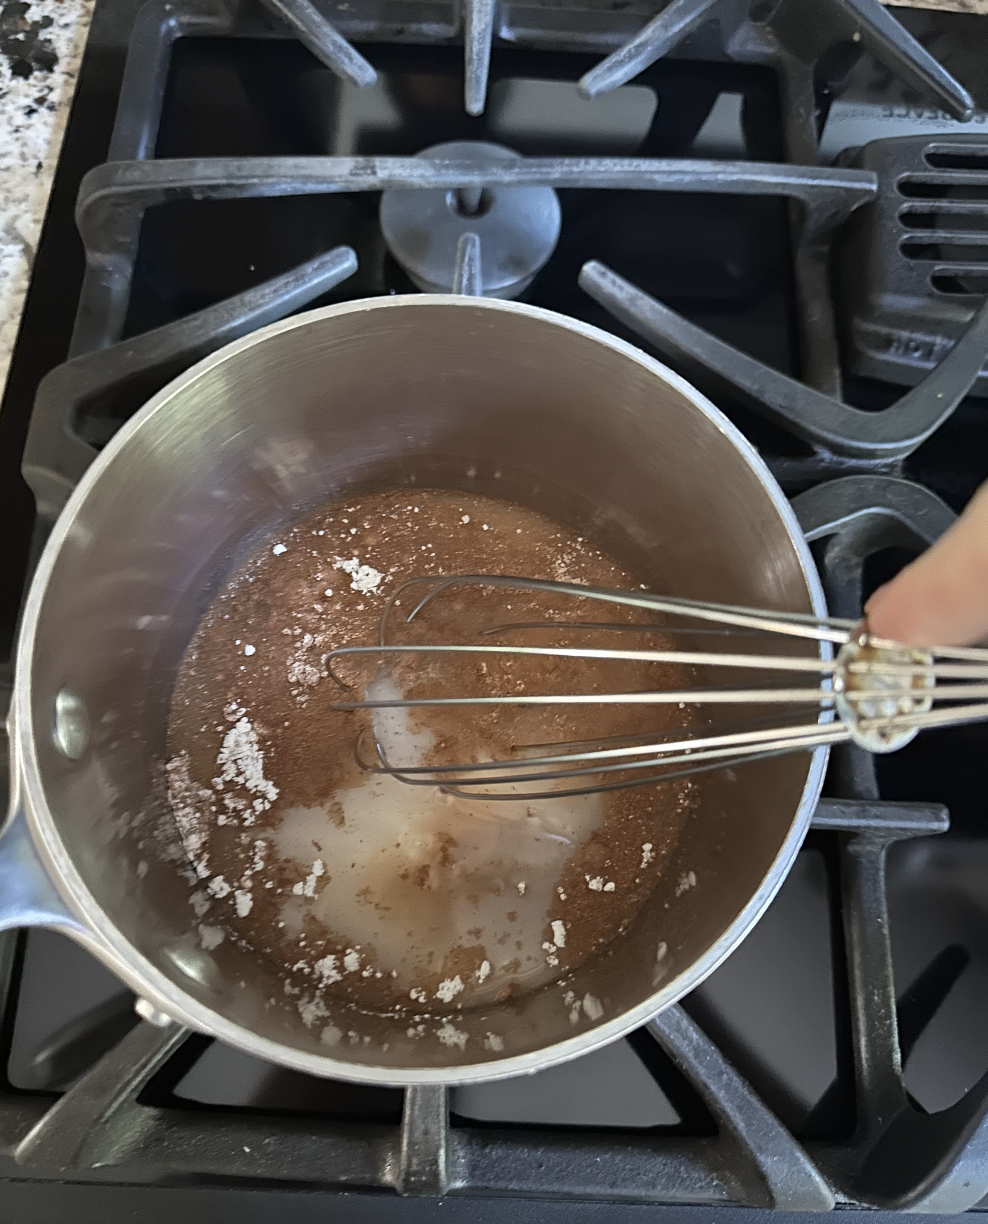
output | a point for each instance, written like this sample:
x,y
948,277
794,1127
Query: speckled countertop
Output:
x,y
41,45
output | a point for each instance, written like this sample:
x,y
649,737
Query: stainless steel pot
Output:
x,y
495,397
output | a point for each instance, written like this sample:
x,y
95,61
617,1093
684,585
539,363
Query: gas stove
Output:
x,y
705,183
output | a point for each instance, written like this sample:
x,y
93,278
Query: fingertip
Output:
x,y
887,616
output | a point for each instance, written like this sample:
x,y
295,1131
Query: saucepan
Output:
x,y
494,397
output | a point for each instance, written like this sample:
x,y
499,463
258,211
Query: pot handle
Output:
x,y
27,896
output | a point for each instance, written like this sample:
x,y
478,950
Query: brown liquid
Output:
x,y
358,885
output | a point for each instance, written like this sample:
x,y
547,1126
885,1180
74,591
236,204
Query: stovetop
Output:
x,y
776,1084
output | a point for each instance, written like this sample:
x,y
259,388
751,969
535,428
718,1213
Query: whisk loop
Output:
x,y
850,687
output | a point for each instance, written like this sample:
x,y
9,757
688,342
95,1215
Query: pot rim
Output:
x,y
101,936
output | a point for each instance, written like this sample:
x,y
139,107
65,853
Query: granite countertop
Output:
x,y
41,46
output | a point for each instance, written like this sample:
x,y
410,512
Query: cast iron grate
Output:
x,y
922,252
113,1122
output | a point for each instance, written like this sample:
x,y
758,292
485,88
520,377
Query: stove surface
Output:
x,y
646,1119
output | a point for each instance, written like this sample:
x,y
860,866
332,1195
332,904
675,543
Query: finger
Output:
x,y
941,599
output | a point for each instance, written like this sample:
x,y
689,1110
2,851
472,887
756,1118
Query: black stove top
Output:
x,y
777,1083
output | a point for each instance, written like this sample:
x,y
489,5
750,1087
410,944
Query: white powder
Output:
x,y
307,887
521,888
483,971
493,1042
249,650
451,1036
244,901
592,1007
303,670
260,848
219,887
687,880
211,937
311,1010
417,995
279,549
199,902
648,854
351,961
596,884
558,933
300,672
331,1035
327,970
242,763
449,988
363,579
188,802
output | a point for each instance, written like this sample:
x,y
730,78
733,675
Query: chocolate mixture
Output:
x,y
360,886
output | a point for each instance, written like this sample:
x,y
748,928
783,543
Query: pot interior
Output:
x,y
496,399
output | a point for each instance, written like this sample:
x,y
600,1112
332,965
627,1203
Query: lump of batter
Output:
x,y
359,885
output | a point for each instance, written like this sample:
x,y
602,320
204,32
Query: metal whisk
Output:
x,y
846,686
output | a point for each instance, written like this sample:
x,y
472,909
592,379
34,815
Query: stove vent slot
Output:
x,y
958,248
967,219
956,187
953,225
946,157
966,284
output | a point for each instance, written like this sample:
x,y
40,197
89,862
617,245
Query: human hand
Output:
x,y
941,599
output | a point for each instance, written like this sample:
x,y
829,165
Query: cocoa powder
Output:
x,y
264,768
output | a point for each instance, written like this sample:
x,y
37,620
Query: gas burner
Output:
x,y
517,227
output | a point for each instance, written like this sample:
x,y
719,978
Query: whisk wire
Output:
x,y
877,693
481,788
796,624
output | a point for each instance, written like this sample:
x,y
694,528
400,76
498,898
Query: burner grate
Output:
x,y
120,1121
836,430
104,1123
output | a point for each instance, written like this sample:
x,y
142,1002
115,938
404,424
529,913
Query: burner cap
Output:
x,y
518,227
